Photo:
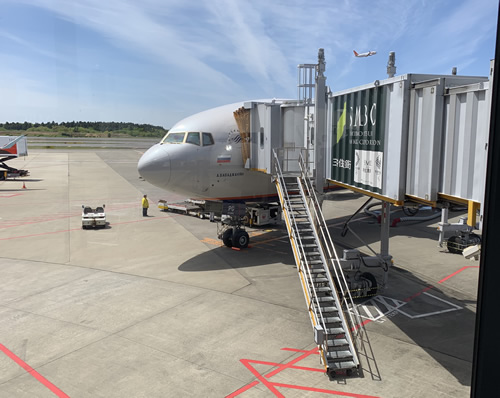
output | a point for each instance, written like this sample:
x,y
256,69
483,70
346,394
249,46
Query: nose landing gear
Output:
x,y
235,237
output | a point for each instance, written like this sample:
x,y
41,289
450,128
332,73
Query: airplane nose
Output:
x,y
154,166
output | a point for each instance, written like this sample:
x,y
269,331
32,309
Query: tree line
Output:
x,y
87,127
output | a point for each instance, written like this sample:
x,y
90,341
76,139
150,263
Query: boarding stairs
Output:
x,y
333,315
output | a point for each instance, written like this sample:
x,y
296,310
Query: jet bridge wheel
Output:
x,y
371,278
227,237
240,239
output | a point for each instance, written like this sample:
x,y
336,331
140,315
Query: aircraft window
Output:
x,y
193,138
208,139
174,138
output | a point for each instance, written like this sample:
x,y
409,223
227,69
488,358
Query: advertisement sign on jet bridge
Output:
x,y
368,132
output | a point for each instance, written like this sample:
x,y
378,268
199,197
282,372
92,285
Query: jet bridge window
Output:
x,y
193,138
174,138
207,139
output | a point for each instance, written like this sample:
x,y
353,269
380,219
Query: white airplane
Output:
x,y
367,54
201,157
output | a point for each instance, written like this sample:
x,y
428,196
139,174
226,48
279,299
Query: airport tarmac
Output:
x,y
156,307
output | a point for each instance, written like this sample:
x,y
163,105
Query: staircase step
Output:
x,y
337,342
304,229
341,365
325,310
325,299
338,355
335,331
332,319
324,289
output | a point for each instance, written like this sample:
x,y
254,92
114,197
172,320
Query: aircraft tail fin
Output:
x,y
355,53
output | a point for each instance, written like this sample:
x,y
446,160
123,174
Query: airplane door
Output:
x,y
265,135
294,125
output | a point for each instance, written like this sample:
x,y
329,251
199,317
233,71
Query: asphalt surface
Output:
x,y
155,306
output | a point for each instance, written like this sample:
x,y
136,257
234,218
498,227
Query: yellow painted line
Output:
x,y
211,241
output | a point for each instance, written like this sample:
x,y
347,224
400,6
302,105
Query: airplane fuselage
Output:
x,y
201,157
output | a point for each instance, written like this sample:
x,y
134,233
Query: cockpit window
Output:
x,y
207,139
193,138
174,138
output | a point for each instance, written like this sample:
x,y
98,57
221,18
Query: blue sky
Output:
x,y
157,61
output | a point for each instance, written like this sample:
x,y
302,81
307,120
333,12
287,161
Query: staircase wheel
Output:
x,y
369,277
227,237
240,239
454,245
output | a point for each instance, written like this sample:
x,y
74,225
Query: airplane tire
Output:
x,y
241,239
227,237
369,276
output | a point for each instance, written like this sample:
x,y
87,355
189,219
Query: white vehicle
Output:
x,y
93,217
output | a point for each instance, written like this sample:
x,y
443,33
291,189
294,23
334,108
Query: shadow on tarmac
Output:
x,y
266,248
434,318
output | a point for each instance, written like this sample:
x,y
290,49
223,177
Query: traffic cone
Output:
x,y
24,185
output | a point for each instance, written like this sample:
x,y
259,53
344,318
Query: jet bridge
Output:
x,y
406,140
409,140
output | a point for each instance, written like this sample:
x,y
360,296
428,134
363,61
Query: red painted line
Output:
x,y
418,294
293,362
290,365
457,272
33,372
242,389
79,229
331,392
261,378
367,321
272,386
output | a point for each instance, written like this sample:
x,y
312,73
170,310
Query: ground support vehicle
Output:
x,y
93,217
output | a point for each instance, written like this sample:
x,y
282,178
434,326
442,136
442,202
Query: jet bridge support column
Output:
x,y
320,124
385,224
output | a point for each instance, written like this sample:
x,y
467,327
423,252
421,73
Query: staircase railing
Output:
x,y
327,244
300,255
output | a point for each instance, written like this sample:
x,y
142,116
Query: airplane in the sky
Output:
x,y
367,54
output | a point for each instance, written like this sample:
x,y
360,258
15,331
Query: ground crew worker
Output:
x,y
145,206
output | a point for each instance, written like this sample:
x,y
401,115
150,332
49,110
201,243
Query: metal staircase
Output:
x,y
323,283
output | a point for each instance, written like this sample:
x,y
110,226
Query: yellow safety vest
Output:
x,y
145,203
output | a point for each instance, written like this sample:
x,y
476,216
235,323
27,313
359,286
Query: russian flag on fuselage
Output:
x,y
224,159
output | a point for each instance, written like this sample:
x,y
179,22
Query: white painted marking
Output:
x,y
454,308
444,301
